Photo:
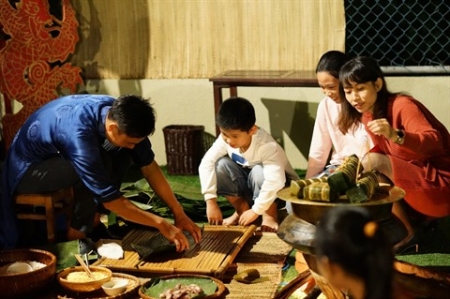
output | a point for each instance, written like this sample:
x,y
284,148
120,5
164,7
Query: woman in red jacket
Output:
x,y
411,146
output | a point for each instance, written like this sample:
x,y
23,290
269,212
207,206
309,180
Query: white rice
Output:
x,y
21,267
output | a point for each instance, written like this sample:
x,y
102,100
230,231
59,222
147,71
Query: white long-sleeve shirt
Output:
x,y
263,150
327,136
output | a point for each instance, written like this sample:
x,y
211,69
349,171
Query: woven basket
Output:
x,y
83,286
184,148
21,285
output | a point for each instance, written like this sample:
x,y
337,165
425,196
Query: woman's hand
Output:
x,y
381,127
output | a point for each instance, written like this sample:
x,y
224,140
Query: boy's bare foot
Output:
x,y
269,221
240,205
269,224
232,220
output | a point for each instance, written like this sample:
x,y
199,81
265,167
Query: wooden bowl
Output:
x,y
131,291
300,235
83,286
168,281
24,284
380,206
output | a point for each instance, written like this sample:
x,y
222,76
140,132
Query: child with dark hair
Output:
x,y
353,254
246,165
327,138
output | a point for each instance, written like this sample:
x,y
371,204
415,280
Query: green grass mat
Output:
x,y
427,260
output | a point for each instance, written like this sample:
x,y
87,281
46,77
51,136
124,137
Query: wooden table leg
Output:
x,y
233,91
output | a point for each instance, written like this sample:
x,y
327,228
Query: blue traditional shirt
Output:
x,y
74,128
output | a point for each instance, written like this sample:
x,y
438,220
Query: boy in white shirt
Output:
x,y
246,165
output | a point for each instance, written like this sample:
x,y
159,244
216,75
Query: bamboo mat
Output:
x,y
265,252
215,253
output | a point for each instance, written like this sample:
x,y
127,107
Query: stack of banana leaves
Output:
x,y
189,196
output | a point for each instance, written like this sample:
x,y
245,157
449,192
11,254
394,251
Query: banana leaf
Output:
x,y
141,205
158,244
188,195
135,189
186,191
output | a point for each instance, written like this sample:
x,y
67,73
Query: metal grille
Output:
x,y
403,35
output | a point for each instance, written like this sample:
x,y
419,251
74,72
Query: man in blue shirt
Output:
x,y
88,142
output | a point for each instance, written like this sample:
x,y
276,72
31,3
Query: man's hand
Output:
x,y
175,235
247,217
183,222
160,185
213,212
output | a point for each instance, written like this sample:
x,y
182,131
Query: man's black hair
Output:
x,y
134,116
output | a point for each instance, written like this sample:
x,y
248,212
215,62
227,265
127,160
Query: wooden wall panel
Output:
x,y
142,39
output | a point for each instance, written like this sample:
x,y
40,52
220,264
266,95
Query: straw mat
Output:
x,y
176,39
214,254
265,252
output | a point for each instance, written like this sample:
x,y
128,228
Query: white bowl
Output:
x,y
115,286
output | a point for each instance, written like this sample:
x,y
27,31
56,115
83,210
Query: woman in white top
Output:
x,y
326,136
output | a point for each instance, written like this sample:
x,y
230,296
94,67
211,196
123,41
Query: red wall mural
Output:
x,y
37,37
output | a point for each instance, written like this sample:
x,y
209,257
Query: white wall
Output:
x,y
190,101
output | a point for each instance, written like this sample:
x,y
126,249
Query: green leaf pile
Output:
x,y
187,194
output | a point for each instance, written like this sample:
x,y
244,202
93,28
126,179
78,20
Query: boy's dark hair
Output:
x,y
331,62
342,238
134,116
236,113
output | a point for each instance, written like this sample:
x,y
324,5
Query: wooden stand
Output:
x,y
52,202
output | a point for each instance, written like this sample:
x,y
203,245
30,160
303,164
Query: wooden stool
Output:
x,y
53,202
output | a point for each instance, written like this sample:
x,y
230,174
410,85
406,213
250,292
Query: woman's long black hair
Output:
x,y
360,70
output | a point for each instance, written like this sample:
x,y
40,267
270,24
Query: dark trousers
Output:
x,y
57,173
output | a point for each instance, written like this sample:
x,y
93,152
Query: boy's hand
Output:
x,y
213,212
248,217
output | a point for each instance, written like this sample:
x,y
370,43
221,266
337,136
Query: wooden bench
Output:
x,y
53,203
